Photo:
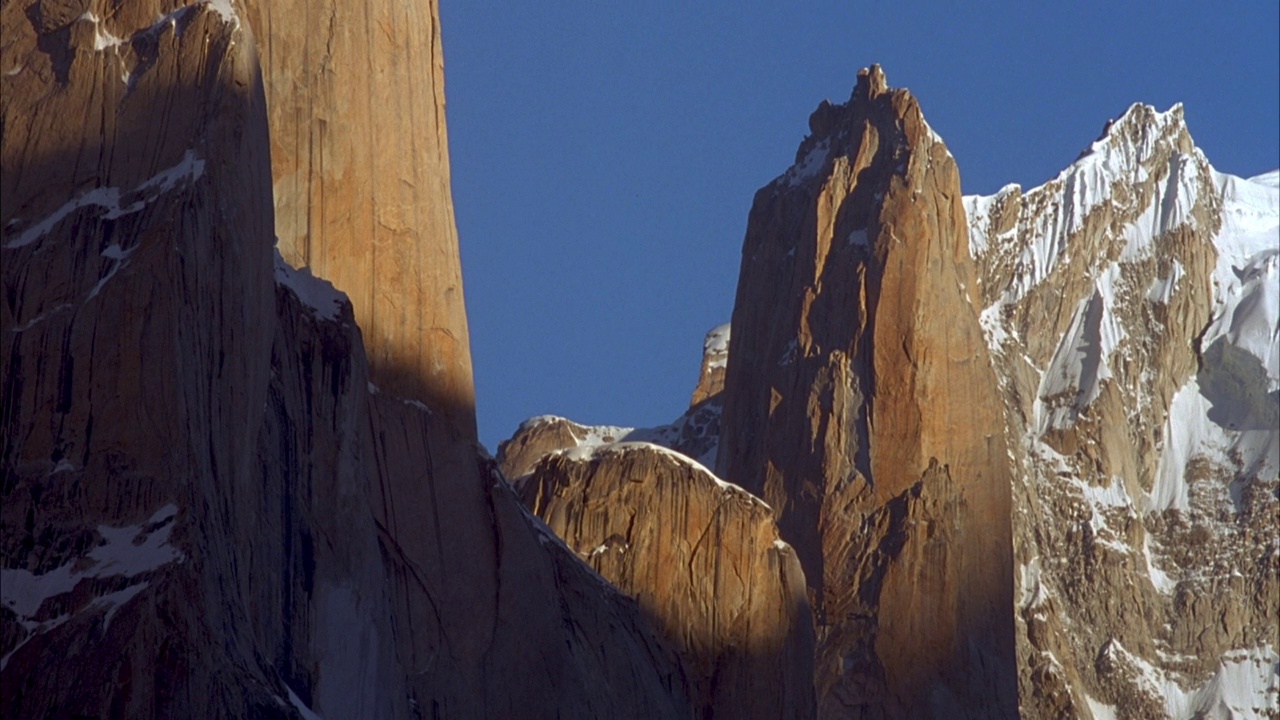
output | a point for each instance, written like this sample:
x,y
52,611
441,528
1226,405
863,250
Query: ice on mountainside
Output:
x,y
1132,305
318,294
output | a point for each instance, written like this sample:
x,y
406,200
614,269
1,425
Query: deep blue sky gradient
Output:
x,y
605,155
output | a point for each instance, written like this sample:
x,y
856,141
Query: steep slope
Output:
x,y
208,508
1131,307
704,562
858,405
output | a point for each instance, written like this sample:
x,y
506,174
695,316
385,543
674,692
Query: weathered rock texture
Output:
x,y
494,617
139,325
703,560
858,403
360,164
208,509
1130,305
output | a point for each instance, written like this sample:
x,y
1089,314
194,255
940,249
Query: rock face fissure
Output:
x,y
209,510
857,403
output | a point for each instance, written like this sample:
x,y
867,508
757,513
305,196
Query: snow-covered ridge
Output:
x,y
1244,686
588,436
1246,299
1053,212
587,453
319,294
1246,279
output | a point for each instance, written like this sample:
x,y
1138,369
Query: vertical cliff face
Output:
x,y
704,562
858,404
1130,306
209,510
138,330
360,165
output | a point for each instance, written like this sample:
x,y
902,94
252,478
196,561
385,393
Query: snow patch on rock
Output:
x,y
124,551
108,199
319,294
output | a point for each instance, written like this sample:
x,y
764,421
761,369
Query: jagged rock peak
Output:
x,y
871,82
840,131
859,392
1141,129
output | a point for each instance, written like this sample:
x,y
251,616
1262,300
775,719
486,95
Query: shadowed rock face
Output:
x,y
208,509
139,333
704,562
858,403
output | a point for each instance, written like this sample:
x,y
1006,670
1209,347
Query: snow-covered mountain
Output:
x,y
1130,305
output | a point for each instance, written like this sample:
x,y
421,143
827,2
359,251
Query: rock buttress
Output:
x,y
861,404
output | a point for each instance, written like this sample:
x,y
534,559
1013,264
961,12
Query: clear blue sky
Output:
x,y
605,154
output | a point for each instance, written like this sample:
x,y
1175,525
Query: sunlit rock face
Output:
x,y
715,355
360,169
704,562
701,557
1130,305
859,403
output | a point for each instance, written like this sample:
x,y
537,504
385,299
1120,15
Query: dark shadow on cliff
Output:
x,y
1235,382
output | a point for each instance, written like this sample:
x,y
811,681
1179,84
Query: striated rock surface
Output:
x,y
152,567
208,508
858,403
360,166
1130,304
704,562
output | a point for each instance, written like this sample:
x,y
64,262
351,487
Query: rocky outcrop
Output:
x,y
208,508
704,562
480,589
858,404
715,355
1130,305
540,436
360,166
695,434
